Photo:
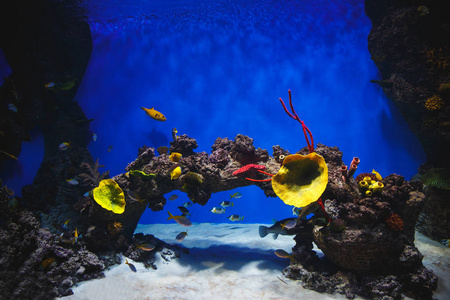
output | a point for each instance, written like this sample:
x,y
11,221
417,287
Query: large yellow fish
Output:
x,y
154,114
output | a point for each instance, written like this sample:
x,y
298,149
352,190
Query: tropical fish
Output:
x,y
173,197
66,224
235,218
175,156
226,204
64,146
446,243
289,224
133,196
187,204
377,175
174,134
154,114
110,147
12,107
132,267
180,237
296,211
217,210
46,263
72,181
75,236
236,195
283,254
86,194
94,137
8,191
276,229
182,220
50,84
146,246
175,173
8,154
183,209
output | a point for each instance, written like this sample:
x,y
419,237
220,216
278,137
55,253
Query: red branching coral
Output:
x,y
247,168
395,222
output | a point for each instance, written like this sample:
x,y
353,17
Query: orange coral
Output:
x,y
434,103
395,222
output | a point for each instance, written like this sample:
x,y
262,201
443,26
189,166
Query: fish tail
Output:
x,y
170,216
232,203
263,231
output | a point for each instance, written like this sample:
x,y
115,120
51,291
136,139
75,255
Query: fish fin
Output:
x,y
262,231
170,216
275,235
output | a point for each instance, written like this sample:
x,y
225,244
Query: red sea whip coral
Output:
x,y
248,168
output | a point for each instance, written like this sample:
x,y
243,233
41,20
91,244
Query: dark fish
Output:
x,y
183,209
276,229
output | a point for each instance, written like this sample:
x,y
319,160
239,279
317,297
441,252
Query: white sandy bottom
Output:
x,y
226,261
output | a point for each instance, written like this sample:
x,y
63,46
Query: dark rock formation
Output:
x,y
369,242
409,43
47,45
37,264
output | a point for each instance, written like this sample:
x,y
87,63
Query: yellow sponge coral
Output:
x,y
434,103
110,196
301,179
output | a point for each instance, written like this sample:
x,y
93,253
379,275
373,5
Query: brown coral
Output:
x,y
395,222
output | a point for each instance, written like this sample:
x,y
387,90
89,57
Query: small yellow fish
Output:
x,y
283,254
175,173
46,263
175,156
66,224
154,114
75,236
379,178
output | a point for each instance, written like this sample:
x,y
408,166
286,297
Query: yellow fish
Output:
x,y
175,173
175,156
379,178
154,114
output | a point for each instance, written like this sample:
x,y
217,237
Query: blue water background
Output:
x,y
217,69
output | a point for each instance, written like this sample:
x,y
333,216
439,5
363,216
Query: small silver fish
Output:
x,y
217,210
226,204
235,218
236,195
72,181
180,237
182,220
64,146
132,267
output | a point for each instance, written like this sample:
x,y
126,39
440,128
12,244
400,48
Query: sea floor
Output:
x,y
226,261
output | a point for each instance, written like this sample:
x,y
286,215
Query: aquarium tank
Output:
x,y
172,145
217,69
